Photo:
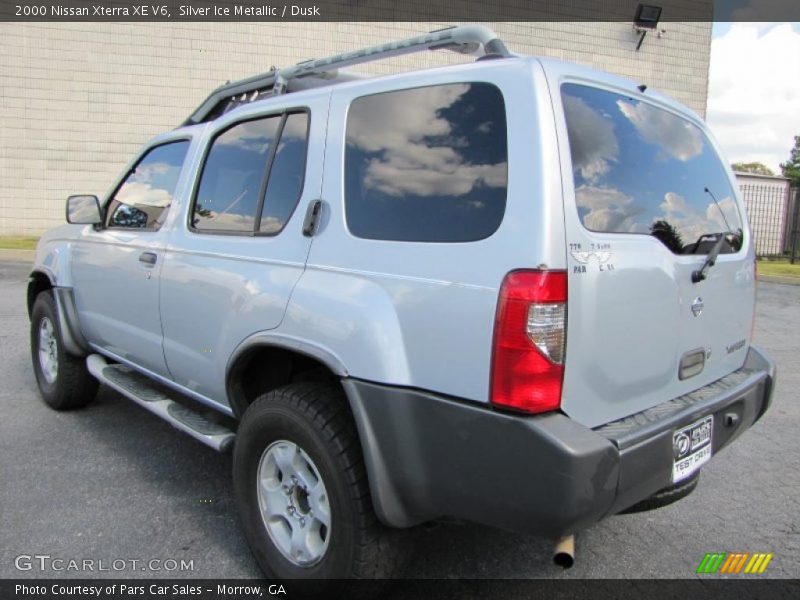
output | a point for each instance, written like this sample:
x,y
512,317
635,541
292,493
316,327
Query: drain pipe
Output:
x,y
564,552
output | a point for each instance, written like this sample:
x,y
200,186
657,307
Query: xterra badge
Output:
x,y
697,306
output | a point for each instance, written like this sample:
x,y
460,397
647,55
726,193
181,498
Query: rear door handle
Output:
x,y
148,258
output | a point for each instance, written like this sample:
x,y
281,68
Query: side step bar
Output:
x,y
160,402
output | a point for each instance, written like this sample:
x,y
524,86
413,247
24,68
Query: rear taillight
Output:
x,y
530,333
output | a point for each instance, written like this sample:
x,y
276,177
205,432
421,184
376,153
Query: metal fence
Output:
x,y
771,209
792,246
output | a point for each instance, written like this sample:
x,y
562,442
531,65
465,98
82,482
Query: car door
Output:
x,y
115,267
231,265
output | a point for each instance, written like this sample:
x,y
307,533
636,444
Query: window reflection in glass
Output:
x,y
427,164
642,169
287,174
228,195
142,201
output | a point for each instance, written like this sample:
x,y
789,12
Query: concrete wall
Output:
x,y
78,99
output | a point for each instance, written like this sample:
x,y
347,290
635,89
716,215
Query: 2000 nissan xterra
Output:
x,y
518,292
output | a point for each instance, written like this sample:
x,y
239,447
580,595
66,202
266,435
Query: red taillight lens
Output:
x,y
529,341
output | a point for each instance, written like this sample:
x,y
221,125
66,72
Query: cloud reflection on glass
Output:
x,y
639,168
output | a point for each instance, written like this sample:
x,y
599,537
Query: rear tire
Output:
x,y
63,380
290,442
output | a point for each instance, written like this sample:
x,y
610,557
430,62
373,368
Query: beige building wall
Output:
x,y
77,100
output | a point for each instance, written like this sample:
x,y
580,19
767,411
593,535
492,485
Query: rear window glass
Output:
x,y
428,164
641,169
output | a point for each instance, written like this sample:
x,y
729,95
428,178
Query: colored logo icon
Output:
x,y
734,562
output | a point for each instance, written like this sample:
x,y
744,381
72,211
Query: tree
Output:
x,y
791,168
752,167
668,235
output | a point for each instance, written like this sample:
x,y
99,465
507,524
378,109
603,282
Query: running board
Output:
x,y
160,402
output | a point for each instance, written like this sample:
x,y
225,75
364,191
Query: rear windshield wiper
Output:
x,y
711,259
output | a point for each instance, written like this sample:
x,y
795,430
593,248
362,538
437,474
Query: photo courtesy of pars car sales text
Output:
x,y
152,590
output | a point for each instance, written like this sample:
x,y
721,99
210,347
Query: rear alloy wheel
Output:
x,y
63,380
294,503
302,491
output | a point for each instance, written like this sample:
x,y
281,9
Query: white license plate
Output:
x,y
691,448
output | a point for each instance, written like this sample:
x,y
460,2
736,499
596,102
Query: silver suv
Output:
x,y
518,292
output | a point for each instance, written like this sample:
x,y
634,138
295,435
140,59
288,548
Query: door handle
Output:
x,y
148,258
312,218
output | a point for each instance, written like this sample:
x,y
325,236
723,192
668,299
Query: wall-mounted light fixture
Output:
x,y
646,19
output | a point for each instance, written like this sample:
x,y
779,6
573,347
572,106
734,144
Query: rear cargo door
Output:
x,y
646,199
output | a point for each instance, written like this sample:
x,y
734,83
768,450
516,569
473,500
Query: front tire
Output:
x,y
63,380
302,491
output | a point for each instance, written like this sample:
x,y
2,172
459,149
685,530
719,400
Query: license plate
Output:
x,y
691,448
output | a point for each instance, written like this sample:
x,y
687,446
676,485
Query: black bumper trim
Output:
x,y
428,457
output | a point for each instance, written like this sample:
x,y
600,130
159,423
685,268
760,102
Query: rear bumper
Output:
x,y
428,456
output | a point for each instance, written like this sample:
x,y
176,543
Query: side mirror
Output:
x,y
83,210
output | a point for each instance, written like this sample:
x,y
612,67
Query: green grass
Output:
x,y
779,268
18,242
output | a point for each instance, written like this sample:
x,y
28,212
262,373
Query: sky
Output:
x,y
754,90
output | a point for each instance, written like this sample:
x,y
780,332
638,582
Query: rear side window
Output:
x,y
428,164
253,176
143,199
641,169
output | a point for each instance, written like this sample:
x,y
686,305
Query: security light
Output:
x,y
646,19
647,16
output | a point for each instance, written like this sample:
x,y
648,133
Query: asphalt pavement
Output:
x,y
113,484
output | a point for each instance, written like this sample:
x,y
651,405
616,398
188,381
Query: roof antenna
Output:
x,y
642,88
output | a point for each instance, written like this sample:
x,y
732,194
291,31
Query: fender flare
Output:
x,y
67,314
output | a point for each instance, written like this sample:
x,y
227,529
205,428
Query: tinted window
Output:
x,y
641,169
143,199
230,187
286,176
427,164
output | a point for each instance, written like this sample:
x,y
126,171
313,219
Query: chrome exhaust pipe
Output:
x,y
564,552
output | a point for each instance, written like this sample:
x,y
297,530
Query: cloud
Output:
x,y
674,135
255,136
608,209
692,223
727,207
146,172
754,92
143,194
592,140
410,162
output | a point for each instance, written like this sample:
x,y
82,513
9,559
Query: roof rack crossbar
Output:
x,y
466,39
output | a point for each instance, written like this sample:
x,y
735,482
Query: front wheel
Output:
x,y
301,488
63,380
